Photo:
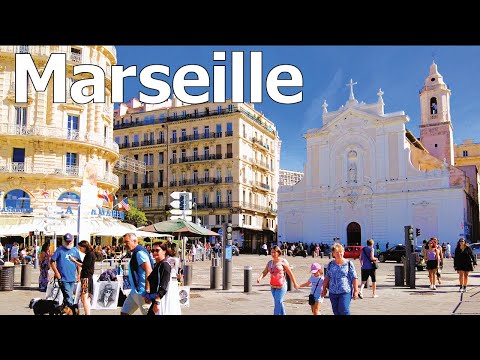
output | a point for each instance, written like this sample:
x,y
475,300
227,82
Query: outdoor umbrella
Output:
x,y
180,227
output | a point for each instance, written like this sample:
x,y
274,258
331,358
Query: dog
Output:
x,y
52,307
70,310
43,307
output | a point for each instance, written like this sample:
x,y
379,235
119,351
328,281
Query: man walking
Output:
x,y
366,260
65,269
139,267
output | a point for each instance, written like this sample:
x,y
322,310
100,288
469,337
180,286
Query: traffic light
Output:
x,y
228,229
183,202
417,232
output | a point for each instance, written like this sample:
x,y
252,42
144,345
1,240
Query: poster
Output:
x,y
184,295
106,297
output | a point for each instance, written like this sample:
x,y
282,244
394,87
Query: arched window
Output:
x,y
17,199
433,105
68,199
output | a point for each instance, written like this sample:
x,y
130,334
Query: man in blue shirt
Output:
x,y
139,267
66,270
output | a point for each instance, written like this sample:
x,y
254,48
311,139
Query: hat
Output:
x,y
315,267
68,237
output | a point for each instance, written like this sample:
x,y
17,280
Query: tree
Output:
x,y
135,216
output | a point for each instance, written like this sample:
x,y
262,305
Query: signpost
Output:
x,y
181,205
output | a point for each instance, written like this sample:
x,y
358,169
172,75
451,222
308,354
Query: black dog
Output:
x,y
43,307
52,307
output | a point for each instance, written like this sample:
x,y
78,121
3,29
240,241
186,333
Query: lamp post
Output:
x,y
35,258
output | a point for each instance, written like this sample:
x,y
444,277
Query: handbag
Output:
x,y
311,298
374,263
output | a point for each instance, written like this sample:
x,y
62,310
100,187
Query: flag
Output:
x,y
103,195
124,204
45,194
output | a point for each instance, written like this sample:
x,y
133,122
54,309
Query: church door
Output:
x,y
354,234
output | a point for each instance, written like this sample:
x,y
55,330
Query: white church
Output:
x,y
367,176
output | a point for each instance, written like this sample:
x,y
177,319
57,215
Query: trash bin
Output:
x,y
7,273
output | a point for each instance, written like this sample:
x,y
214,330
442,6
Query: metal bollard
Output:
x,y
399,276
26,276
215,261
215,277
187,275
247,279
413,261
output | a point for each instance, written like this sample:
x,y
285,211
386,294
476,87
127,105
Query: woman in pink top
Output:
x,y
277,268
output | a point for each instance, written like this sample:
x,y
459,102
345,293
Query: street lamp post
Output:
x,y
35,258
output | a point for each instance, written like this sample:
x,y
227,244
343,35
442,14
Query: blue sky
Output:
x,y
399,70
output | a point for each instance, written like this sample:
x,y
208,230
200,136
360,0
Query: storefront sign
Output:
x,y
16,210
110,213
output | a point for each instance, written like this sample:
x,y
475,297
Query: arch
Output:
x,y
354,234
17,199
68,199
433,106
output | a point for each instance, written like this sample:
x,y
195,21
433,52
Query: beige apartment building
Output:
x,y
289,178
44,146
227,155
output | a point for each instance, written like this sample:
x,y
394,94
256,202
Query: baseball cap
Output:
x,y
68,237
315,267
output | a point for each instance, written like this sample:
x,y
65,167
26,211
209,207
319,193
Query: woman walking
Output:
x,y
44,258
277,268
433,262
164,301
86,274
340,279
463,262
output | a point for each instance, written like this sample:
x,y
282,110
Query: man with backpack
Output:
x,y
139,267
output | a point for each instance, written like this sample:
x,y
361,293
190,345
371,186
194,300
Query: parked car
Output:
x,y
353,251
397,253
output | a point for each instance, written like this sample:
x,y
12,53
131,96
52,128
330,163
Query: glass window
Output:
x,y
17,199
21,116
18,155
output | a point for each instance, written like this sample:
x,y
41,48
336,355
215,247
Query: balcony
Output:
x,y
261,185
250,206
161,184
186,159
160,141
229,179
229,156
125,187
59,133
75,57
260,143
197,115
228,133
196,181
148,142
147,185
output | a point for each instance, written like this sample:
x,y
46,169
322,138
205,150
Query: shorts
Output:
x,y
369,272
432,264
86,286
133,302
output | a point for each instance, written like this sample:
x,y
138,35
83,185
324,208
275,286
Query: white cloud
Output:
x,y
313,115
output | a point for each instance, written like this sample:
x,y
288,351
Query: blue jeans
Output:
x,y
278,295
340,303
67,291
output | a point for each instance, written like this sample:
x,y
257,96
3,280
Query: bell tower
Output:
x,y
436,131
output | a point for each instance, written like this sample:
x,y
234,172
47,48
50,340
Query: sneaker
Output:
x,y
434,287
464,289
460,289
360,295
375,296
431,287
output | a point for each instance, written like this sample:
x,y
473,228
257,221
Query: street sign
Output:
x,y
175,195
228,252
180,212
175,204
188,218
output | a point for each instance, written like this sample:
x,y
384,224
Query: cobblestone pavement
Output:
x,y
446,300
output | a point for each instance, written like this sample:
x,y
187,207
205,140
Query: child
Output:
x,y
316,281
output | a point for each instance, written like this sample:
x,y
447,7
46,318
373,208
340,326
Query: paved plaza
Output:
x,y
392,300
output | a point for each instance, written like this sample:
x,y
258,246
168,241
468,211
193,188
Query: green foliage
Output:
x,y
135,216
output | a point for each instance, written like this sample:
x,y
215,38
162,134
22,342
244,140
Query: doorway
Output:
x,y
354,234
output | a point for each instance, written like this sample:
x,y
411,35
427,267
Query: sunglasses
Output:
x,y
155,250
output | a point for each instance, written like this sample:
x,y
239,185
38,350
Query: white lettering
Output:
x,y
273,83
25,67
161,86
180,83
79,89
118,74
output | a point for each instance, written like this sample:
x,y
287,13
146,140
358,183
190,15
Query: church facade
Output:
x,y
367,176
